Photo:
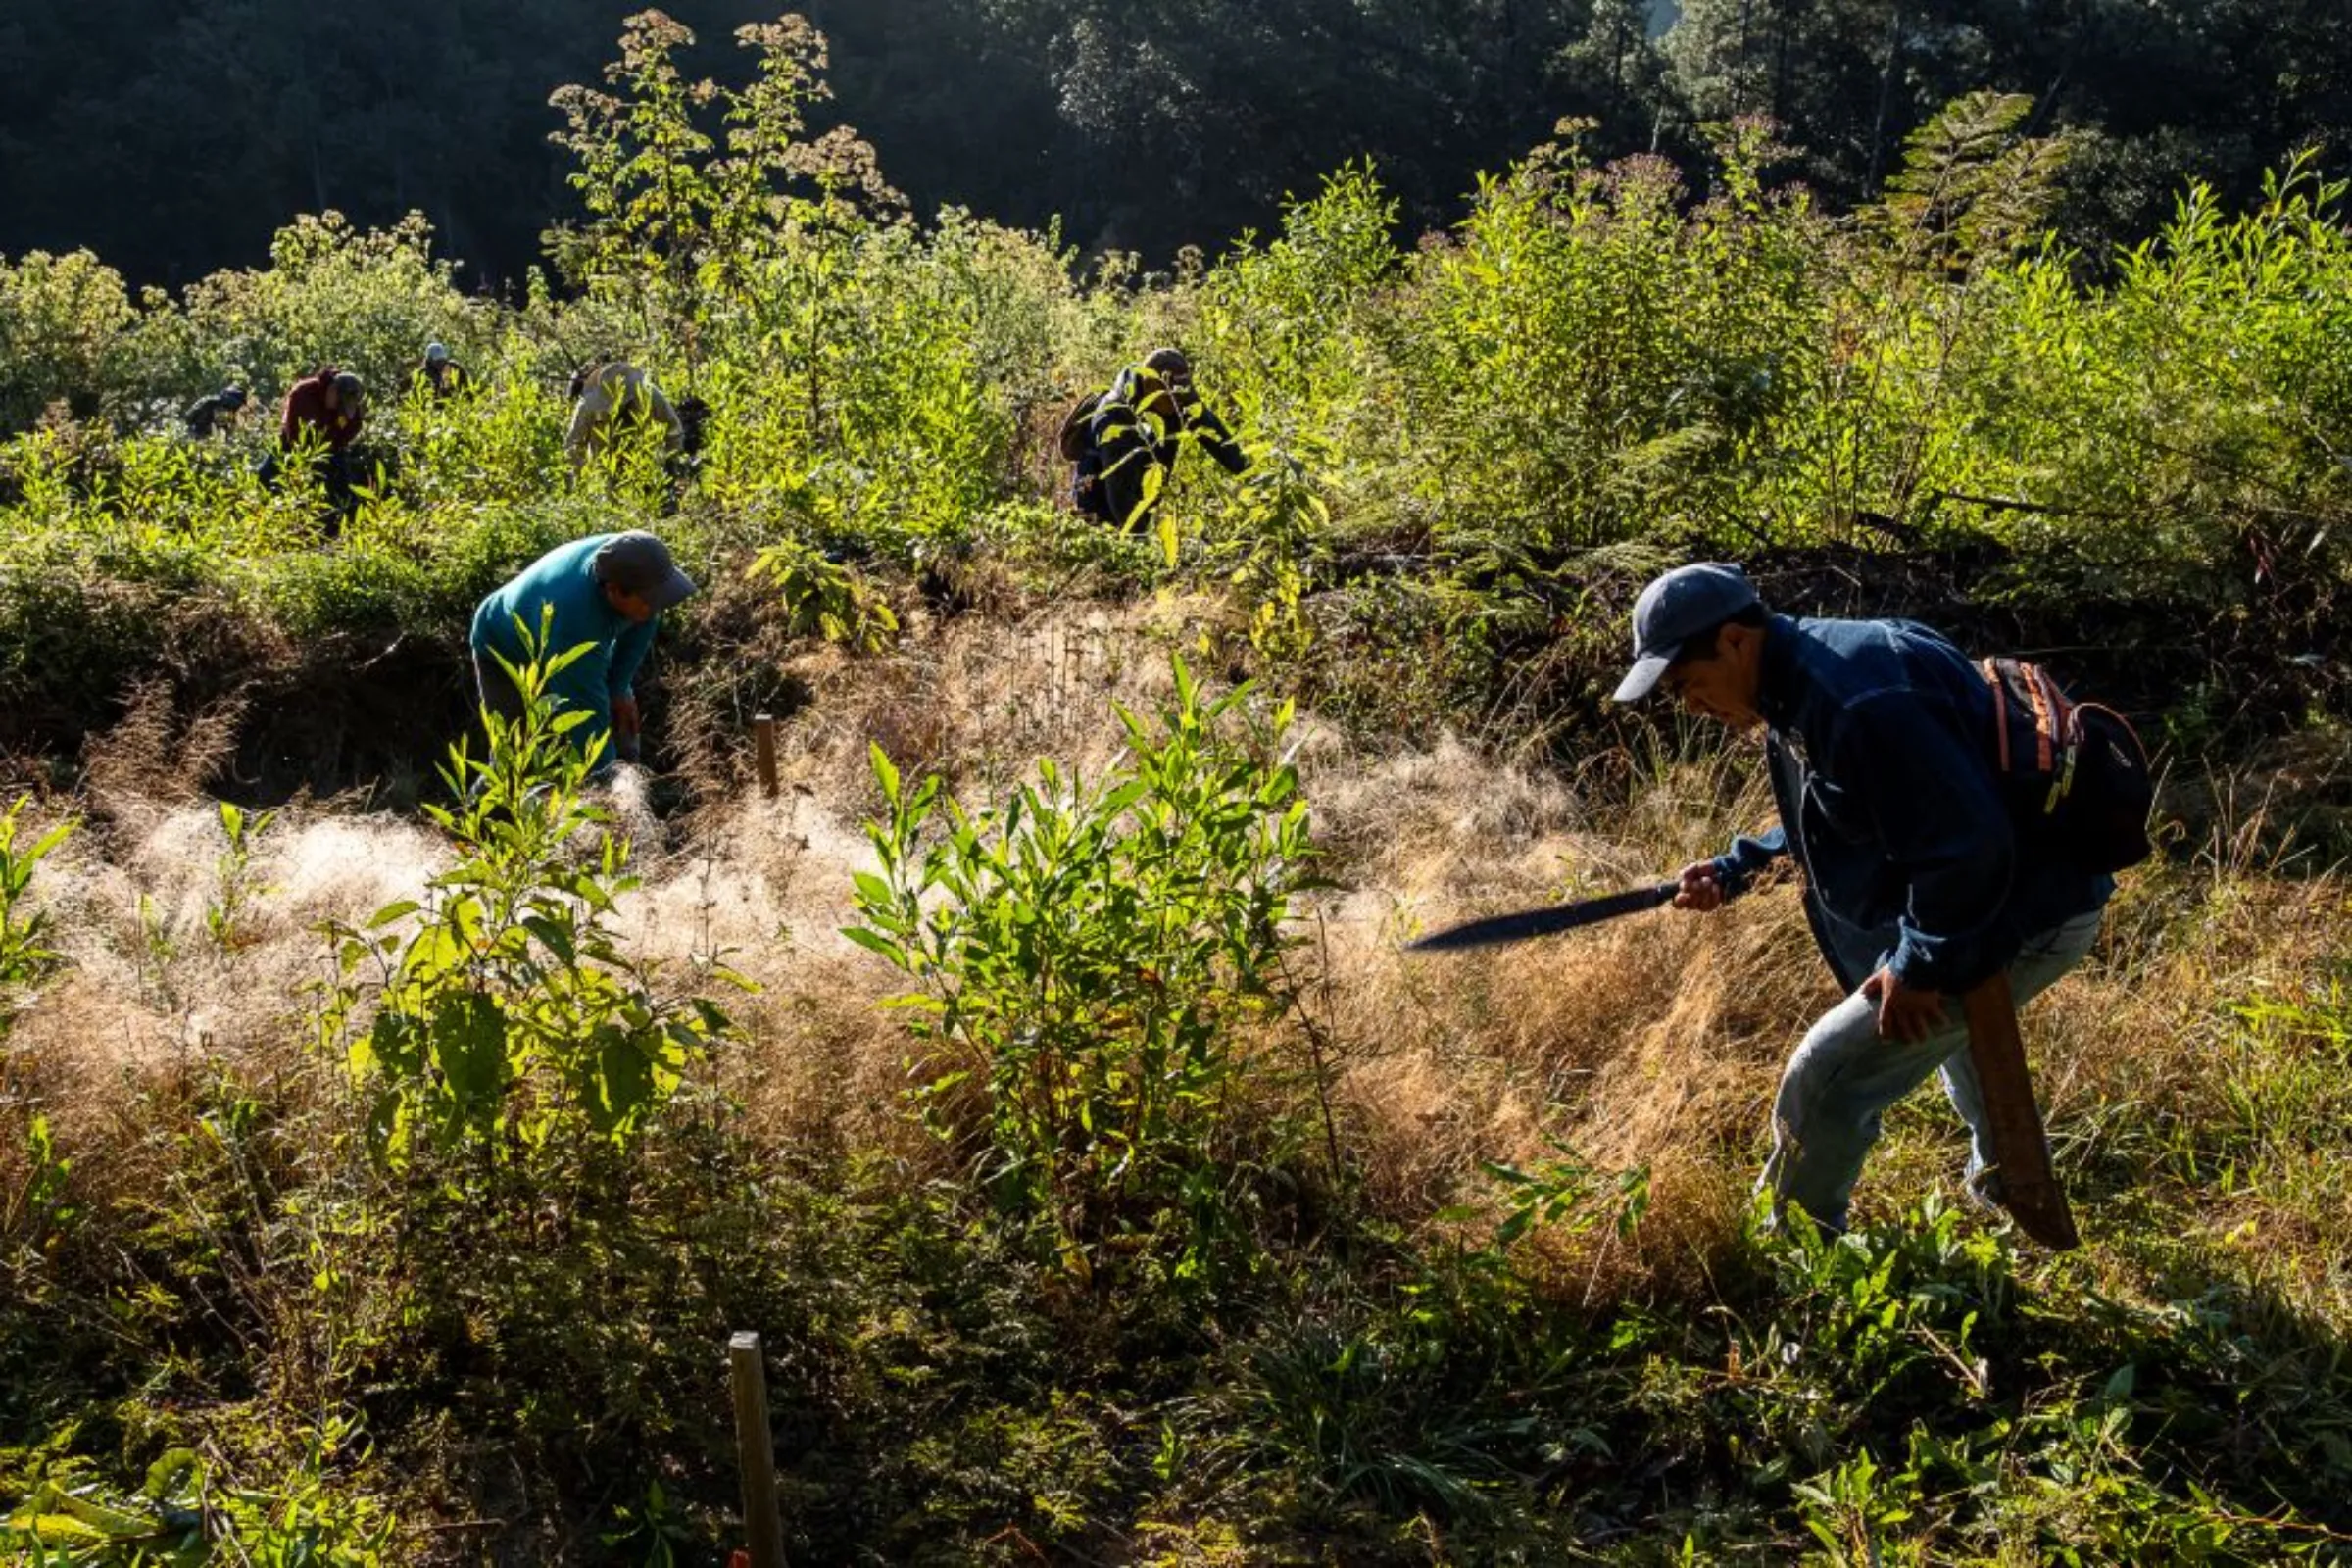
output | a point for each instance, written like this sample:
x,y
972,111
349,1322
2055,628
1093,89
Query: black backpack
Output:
x,y
2075,775
1076,438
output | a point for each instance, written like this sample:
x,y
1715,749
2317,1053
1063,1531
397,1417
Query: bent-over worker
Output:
x,y
1136,433
441,374
207,415
611,397
1878,737
607,591
330,405
329,401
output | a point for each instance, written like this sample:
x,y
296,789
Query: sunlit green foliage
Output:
x,y
501,1012
822,597
24,928
186,1515
62,325
1163,1320
1590,361
366,301
1094,958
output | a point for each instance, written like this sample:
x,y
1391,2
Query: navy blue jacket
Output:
x,y
1880,744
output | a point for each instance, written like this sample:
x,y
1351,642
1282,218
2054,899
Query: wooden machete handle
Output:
x,y
2027,1188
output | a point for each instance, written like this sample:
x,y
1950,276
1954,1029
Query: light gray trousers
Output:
x,y
1843,1077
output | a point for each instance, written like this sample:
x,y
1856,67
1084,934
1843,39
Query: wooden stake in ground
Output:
x,y
2027,1188
763,1524
763,741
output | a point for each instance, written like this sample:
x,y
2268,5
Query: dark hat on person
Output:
x,y
233,394
348,388
637,563
1170,366
1676,608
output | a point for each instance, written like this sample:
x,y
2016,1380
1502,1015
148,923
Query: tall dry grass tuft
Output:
x,y
764,887
1649,1042
153,754
980,701
151,980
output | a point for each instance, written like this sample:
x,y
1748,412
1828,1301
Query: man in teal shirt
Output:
x,y
607,591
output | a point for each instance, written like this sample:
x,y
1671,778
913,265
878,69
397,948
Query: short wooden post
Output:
x,y
763,737
763,1523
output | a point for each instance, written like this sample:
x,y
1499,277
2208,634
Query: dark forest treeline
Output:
x,y
175,138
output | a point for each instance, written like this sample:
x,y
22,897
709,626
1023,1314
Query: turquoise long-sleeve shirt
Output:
x,y
565,578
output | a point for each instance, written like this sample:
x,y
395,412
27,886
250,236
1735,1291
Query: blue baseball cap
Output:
x,y
1675,608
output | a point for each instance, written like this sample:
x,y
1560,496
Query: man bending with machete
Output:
x,y
1877,736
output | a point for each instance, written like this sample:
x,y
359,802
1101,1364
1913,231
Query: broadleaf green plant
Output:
x,y
25,953
508,1014
1096,959
823,598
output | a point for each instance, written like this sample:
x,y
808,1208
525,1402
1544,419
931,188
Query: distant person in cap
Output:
x,y
1124,442
607,591
207,415
609,397
1879,740
441,374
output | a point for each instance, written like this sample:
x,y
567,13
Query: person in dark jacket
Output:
x,y
1879,740
1137,430
607,591
206,417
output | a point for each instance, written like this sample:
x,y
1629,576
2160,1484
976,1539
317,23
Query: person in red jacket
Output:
x,y
328,402
327,406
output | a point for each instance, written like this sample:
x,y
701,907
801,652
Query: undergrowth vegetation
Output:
x,y
381,1174
1094,961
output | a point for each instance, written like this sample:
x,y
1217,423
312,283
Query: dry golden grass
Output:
x,y
153,755
1654,1041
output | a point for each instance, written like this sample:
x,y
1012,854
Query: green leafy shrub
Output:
x,y
502,440
1888,1317
1095,960
508,1016
62,321
1559,1194
825,598
187,1514
237,887
366,300
25,957
35,1208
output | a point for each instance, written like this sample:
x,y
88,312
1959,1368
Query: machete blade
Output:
x,y
1502,928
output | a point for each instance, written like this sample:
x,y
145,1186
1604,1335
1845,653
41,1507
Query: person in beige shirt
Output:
x,y
608,397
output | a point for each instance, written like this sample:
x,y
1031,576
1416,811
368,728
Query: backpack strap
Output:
x,y
2000,708
2038,694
